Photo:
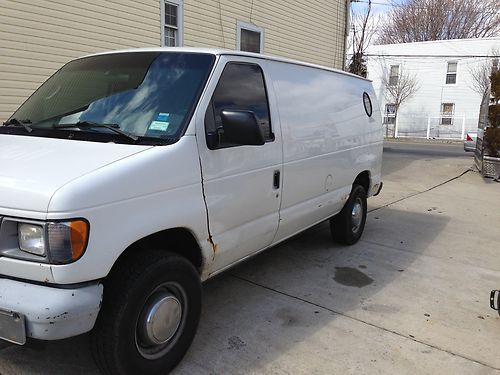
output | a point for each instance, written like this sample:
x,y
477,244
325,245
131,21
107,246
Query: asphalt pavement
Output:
x,y
410,297
425,149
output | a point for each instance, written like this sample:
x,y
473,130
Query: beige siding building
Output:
x,y
37,38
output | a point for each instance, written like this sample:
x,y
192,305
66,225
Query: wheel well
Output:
x,y
363,179
176,240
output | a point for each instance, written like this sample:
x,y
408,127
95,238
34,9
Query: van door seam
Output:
x,y
210,238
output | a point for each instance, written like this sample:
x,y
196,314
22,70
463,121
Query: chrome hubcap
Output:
x,y
159,321
356,214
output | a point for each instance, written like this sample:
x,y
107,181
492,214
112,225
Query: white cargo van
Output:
x,y
128,178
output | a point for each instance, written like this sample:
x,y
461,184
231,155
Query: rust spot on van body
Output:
x,y
215,247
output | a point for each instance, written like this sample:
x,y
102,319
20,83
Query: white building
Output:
x,y
445,104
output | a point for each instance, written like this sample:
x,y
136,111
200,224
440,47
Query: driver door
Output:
x,y
242,184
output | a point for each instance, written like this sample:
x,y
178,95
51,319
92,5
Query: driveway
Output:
x,y
410,297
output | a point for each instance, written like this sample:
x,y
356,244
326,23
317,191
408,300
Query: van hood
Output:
x,y
32,169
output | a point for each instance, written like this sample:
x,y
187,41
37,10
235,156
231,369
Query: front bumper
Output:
x,y
469,147
46,313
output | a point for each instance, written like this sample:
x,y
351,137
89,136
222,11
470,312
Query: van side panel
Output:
x,y
328,139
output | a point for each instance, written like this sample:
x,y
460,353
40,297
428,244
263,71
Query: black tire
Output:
x,y
345,229
116,339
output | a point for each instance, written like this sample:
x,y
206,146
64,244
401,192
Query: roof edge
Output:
x,y
227,52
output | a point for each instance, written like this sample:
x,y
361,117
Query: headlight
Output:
x,y
58,242
31,238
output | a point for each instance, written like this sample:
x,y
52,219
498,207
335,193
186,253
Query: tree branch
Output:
x,y
422,20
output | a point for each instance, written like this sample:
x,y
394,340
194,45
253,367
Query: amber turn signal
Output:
x,y
67,240
79,235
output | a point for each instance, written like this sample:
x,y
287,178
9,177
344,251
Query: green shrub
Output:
x,y
492,134
492,141
494,116
495,85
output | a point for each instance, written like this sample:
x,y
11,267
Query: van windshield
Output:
x,y
143,94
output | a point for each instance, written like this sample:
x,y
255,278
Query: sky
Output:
x,y
379,11
378,6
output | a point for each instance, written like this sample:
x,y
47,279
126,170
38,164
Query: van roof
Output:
x,y
221,51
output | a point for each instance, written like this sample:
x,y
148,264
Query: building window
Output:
x,y
394,75
250,38
451,73
390,114
447,110
171,16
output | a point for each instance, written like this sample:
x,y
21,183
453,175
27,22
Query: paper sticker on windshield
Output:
x,y
159,125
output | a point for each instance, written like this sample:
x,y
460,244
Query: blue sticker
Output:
x,y
163,117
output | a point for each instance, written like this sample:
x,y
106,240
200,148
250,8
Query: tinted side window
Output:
x,y
241,87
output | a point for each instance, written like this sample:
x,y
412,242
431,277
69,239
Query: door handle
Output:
x,y
276,179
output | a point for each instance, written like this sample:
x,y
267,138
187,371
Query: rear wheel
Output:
x,y
348,225
151,309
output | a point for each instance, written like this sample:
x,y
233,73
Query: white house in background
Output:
x,y
445,104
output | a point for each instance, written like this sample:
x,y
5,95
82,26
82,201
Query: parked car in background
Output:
x,y
470,142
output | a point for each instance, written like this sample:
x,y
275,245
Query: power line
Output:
x,y
393,5
374,2
437,56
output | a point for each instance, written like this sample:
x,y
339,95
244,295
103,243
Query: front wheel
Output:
x,y
151,310
348,225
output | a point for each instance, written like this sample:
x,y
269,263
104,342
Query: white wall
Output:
x,y
431,76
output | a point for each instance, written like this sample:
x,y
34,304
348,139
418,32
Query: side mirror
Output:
x,y
242,128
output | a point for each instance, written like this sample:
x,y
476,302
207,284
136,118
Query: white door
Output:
x,y
242,184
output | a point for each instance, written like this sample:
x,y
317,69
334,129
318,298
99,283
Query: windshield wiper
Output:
x,y
90,125
16,122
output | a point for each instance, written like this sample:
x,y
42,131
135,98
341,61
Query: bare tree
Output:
x,y
480,73
422,20
480,77
397,91
363,29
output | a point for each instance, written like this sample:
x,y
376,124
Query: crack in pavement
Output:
x,y
421,192
364,321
